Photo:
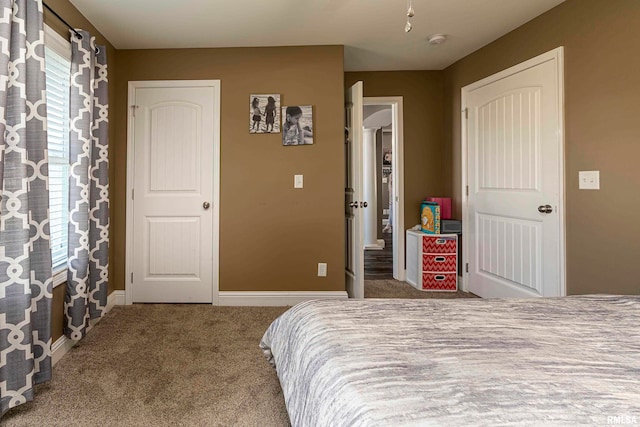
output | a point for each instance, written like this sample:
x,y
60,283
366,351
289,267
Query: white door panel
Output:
x,y
354,262
169,123
514,152
173,232
508,253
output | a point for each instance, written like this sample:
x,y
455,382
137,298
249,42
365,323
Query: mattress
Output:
x,y
555,361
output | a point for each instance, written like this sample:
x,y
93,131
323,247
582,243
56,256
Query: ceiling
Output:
x,y
372,31
376,116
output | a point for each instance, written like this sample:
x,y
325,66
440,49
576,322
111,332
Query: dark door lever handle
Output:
x,y
545,209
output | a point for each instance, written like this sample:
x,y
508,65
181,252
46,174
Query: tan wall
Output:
x,y
57,312
271,236
426,156
602,96
70,14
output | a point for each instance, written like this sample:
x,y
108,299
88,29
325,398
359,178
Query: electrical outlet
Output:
x,y
322,269
589,180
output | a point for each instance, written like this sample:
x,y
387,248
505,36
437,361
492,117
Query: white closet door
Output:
x,y
515,185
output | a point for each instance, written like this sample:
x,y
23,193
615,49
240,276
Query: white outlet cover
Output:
x,y
589,180
322,269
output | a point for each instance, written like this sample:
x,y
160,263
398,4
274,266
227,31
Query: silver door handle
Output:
x,y
363,204
545,209
206,205
354,205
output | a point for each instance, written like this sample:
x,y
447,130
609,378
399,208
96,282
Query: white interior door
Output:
x,y
354,263
515,185
173,194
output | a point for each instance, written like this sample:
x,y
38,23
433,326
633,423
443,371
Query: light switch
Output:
x,y
297,181
589,180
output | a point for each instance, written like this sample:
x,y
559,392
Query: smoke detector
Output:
x,y
437,39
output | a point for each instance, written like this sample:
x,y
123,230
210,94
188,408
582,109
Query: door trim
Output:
x,y
556,55
215,264
397,164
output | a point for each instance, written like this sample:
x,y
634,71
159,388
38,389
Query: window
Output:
x,y
58,74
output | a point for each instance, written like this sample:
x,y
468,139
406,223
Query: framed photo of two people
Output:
x,y
264,116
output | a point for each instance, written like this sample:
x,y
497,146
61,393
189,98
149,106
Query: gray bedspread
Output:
x,y
552,361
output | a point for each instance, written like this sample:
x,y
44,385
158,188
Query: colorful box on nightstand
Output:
x,y
445,206
430,217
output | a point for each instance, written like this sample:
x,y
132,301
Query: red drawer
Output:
x,y
440,281
440,263
438,245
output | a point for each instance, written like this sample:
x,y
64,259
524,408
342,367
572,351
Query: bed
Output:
x,y
560,361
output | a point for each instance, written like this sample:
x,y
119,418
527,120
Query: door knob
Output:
x,y
354,205
545,209
363,204
206,205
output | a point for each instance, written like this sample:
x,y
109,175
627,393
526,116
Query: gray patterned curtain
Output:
x,y
87,276
25,254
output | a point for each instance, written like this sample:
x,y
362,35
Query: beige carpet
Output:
x,y
164,365
396,289
173,365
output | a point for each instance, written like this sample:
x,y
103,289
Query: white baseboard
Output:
x,y
378,246
119,298
275,298
60,348
64,344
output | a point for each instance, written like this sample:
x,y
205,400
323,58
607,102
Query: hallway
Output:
x,y
378,265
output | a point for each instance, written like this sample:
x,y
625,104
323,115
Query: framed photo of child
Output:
x,y
264,113
297,125
386,157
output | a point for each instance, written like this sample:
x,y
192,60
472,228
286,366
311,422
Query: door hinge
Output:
x,y
467,190
466,113
132,193
132,277
133,109
466,268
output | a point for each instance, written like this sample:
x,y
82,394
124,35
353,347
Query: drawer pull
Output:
x,y
440,241
440,259
439,277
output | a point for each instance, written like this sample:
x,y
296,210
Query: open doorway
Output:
x,y
383,186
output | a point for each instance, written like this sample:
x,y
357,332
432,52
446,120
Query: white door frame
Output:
x,y
556,55
133,85
397,167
